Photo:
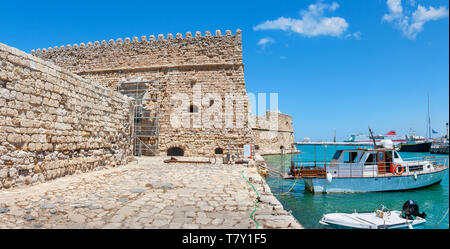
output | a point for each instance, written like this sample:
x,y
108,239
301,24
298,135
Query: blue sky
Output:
x,y
336,65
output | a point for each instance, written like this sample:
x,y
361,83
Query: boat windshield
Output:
x,y
350,156
371,159
337,154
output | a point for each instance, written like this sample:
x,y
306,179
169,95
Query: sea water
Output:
x,y
308,207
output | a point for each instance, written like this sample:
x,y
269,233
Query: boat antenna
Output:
x,y
373,138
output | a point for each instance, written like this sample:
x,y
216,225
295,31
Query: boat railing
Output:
x,y
435,160
310,164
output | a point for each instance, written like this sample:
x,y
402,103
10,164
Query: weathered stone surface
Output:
x,y
273,133
54,123
153,208
48,206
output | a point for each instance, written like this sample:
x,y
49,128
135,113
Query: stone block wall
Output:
x,y
270,138
182,65
54,123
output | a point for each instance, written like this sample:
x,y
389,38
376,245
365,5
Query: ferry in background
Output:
x,y
361,138
415,143
408,143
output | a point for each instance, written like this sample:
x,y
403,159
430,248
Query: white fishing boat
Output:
x,y
383,218
368,170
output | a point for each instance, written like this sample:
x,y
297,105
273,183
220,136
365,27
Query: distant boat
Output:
x,y
414,143
417,143
415,147
440,147
362,138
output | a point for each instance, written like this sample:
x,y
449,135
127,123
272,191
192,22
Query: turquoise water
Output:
x,y
308,208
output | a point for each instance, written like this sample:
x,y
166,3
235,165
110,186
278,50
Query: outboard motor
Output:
x,y
411,210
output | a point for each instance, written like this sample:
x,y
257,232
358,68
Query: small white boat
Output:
x,y
380,219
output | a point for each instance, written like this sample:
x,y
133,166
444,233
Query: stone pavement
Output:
x,y
147,193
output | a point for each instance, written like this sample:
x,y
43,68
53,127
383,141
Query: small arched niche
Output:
x,y
218,151
175,151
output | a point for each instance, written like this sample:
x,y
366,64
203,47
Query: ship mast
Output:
x,y
429,118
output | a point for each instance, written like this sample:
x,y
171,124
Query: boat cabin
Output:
x,y
373,162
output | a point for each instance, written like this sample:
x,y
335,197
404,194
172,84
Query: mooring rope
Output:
x,y
290,189
256,202
445,215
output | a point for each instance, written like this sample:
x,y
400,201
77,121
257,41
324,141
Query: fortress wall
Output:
x,y
54,123
269,138
194,63
124,56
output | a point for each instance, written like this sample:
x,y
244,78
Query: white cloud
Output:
x,y
395,10
422,14
265,41
356,35
312,22
411,25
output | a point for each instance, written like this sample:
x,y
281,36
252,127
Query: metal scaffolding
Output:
x,y
146,115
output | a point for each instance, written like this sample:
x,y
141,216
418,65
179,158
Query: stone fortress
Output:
x,y
77,107
269,139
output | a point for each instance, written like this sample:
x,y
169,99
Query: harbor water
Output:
x,y
308,208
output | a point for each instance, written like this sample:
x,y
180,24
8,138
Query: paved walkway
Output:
x,y
146,194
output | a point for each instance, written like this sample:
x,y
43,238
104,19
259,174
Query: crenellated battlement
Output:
x,y
135,40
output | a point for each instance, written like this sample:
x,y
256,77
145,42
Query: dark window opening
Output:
x,y
396,155
337,154
371,159
211,102
218,151
389,157
350,157
193,108
175,151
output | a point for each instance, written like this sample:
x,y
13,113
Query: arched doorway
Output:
x,y
218,151
175,151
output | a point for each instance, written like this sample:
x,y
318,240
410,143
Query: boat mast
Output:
x,y
429,118
373,139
